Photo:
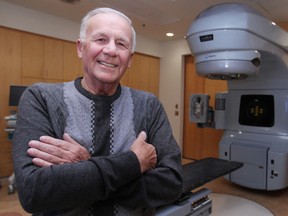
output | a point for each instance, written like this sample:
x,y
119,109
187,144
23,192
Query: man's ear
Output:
x,y
129,64
79,48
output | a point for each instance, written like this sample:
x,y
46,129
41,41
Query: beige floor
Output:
x,y
9,204
274,201
228,205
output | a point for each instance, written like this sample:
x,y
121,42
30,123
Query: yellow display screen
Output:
x,y
257,110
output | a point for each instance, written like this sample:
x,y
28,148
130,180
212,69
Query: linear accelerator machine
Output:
x,y
234,42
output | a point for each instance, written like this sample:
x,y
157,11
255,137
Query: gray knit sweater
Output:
x,y
110,182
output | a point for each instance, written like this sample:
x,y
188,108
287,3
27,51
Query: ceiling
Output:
x,y
152,18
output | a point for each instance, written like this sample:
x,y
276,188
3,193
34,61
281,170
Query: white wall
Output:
x,y
171,52
172,83
36,22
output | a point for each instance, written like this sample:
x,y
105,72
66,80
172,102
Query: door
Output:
x,y
199,143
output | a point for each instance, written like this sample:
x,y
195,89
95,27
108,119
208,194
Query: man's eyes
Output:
x,y
120,44
99,39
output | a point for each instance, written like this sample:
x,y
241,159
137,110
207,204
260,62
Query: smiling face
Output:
x,y
106,52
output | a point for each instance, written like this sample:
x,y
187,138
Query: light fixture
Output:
x,y
169,34
71,1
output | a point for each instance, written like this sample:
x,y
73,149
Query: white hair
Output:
x,y
92,13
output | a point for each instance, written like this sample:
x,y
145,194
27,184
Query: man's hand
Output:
x,y
48,151
145,152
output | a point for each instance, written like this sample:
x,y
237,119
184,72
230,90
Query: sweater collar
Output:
x,y
91,96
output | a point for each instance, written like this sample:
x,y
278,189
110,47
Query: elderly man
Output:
x,y
92,146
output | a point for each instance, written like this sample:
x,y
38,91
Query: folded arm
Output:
x,y
160,184
48,187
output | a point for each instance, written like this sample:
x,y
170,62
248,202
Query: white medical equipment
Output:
x,y
234,42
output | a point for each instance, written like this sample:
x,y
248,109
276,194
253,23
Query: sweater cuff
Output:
x,y
118,169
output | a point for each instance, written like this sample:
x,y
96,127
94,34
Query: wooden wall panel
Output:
x,y
154,75
10,72
53,59
72,67
143,73
26,81
32,56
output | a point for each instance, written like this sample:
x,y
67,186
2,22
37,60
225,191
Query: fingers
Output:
x,y
79,151
45,152
142,136
49,150
41,163
41,159
145,152
54,142
67,138
45,148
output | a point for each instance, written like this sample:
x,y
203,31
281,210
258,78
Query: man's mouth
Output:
x,y
107,64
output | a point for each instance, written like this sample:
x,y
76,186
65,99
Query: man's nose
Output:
x,y
110,48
